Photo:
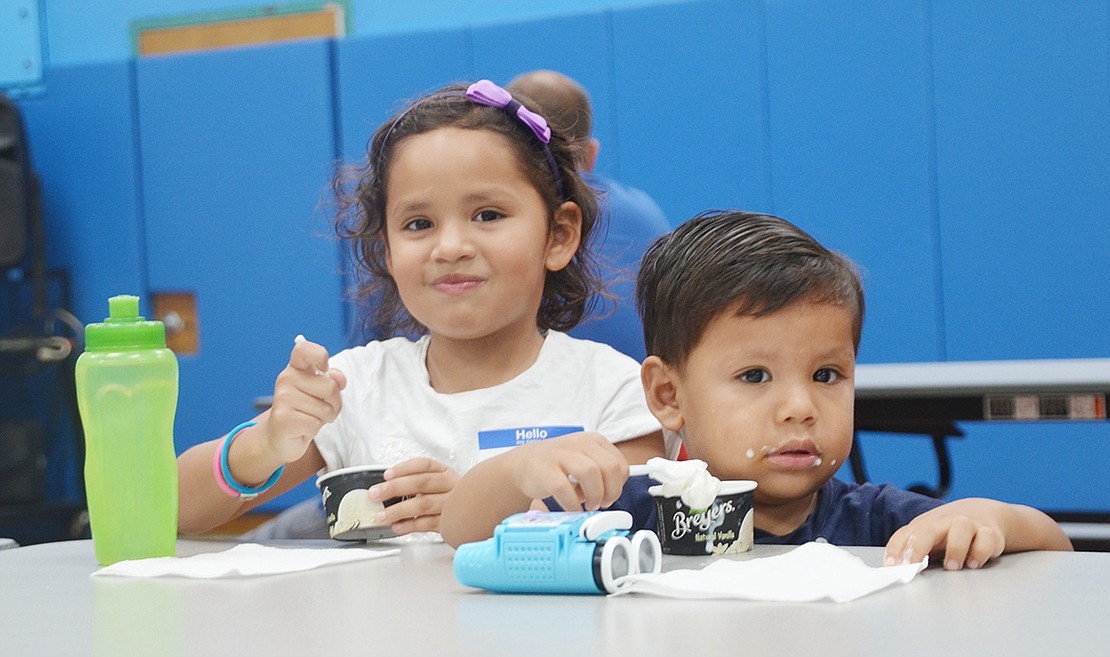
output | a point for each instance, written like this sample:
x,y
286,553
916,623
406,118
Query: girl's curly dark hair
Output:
x,y
569,295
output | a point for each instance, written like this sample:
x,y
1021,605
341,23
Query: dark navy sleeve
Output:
x,y
867,514
893,508
856,514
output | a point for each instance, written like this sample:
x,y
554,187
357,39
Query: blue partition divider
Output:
x,y
1023,162
375,77
232,197
688,97
82,140
851,156
1023,140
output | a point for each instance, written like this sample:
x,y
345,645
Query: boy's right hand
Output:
x,y
306,397
581,471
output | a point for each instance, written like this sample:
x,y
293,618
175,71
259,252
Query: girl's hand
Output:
x,y
306,397
579,470
967,532
426,483
582,471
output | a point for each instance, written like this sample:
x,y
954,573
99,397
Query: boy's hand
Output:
x,y
580,470
426,482
967,532
306,397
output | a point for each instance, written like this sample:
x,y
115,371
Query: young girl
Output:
x,y
470,227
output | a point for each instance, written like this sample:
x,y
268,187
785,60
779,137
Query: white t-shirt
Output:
x,y
391,413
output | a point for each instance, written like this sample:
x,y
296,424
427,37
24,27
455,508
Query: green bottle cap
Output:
x,y
124,328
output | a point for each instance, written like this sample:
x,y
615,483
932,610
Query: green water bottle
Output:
x,y
127,396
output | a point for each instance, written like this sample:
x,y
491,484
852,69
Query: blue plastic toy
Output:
x,y
558,552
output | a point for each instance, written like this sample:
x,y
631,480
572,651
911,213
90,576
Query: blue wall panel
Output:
x,y
1023,144
232,199
687,96
82,140
851,153
1023,162
376,77
1058,467
1051,466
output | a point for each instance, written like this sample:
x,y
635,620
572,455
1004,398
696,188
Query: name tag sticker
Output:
x,y
498,438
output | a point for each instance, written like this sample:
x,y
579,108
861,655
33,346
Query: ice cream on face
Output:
x,y
689,480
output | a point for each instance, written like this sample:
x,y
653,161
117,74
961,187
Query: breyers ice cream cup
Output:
x,y
349,509
725,527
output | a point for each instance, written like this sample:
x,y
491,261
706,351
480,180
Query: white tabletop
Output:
x,y
980,377
1025,604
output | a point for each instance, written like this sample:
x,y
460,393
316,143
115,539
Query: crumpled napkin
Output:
x,y
247,559
810,572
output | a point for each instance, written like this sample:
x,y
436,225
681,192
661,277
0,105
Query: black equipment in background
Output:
x,y
41,441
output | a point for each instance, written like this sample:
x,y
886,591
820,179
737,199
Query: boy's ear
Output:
x,y
565,236
660,382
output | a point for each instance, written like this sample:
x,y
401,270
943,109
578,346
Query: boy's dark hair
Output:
x,y
568,295
739,262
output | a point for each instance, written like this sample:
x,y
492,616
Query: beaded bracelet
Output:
x,y
225,481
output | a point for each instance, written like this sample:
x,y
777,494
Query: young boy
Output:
x,y
753,330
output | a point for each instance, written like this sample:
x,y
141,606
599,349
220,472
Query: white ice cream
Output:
x,y
356,511
689,480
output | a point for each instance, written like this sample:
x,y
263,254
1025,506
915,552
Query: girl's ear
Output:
x,y
387,256
565,236
661,383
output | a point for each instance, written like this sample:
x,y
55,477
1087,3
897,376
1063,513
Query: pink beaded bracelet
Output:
x,y
218,471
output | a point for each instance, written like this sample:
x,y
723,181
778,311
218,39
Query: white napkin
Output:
x,y
810,572
246,559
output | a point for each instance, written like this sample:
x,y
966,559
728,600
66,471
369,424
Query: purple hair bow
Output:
x,y
485,92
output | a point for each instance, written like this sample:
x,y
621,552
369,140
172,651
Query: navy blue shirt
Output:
x,y
855,514
846,514
631,220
